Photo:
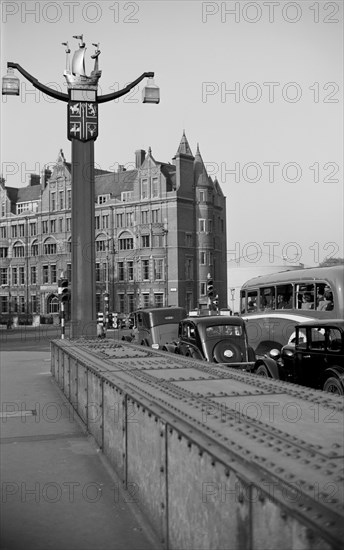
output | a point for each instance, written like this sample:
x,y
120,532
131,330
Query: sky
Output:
x,y
258,85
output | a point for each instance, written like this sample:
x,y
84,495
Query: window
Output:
x,y
121,303
284,296
103,198
97,222
203,289
155,216
14,231
201,226
144,189
129,219
119,220
202,195
317,339
203,258
155,187
45,274
52,226
145,270
145,241
69,199
33,229
267,300
145,300
60,225
53,201
334,339
45,226
61,203
159,269
157,241
14,276
105,221
101,246
97,272
3,276
3,252
33,303
53,273
131,302
68,221
144,216
3,232
304,296
158,300
49,248
53,304
130,265
34,249
21,304
18,250
21,230
33,275
126,243
210,226
21,275
126,196
121,271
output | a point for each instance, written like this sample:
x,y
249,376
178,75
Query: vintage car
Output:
x,y
154,327
314,357
214,338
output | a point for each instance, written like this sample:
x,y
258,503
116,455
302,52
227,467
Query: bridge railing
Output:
x,y
214,457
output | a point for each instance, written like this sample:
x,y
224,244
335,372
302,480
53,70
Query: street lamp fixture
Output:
x,y
82,110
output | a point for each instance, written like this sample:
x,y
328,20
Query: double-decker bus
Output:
x,y
273,304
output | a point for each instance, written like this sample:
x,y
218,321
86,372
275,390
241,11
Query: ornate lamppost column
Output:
x,y
82,131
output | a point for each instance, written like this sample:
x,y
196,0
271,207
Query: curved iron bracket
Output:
x,y
65,97
120,93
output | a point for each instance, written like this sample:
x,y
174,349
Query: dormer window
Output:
x,y
126,196
103,198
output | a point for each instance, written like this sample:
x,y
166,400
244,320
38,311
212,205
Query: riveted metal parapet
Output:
x,y
218,457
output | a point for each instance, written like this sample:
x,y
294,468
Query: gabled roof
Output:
x,y
184,147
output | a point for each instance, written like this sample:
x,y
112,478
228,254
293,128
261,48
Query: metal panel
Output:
x,y
114,422
208,505
82,392
95,406
146,464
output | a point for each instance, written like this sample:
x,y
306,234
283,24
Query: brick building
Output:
x,y
160,229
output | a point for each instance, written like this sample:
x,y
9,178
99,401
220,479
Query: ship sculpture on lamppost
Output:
x,y
82,131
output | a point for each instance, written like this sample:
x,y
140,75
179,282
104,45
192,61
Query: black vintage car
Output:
x,y
315,358
215,338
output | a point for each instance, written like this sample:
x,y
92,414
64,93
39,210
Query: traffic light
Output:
x,y
216,301
210,286
63,290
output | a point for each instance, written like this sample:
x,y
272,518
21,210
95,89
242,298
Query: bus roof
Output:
x,y
327,274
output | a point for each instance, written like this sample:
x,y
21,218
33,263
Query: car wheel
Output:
x,y
226,352
333,385
263,371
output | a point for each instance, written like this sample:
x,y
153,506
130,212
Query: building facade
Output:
x,y
160,228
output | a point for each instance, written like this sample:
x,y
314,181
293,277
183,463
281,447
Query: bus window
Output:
x,y
305,294
242,301
252,298
324,300
267,298
284,296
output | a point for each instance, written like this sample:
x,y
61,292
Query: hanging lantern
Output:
x,y
151,92
10,83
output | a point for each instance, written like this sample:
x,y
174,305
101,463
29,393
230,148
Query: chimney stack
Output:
x,y
140,156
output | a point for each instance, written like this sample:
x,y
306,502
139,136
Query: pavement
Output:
x,y
58,491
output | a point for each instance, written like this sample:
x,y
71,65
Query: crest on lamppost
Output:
x,y
82,104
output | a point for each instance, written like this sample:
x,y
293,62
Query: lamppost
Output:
x,y
232,297
82,111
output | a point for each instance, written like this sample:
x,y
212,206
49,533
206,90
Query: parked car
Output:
x,y
154,327
314,357
215,338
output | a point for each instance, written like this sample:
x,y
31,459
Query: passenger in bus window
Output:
x,y
284,302
327,303
307,302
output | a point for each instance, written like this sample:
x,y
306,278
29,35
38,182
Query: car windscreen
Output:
x,y
223,331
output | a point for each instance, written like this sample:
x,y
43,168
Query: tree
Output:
x,y
331,261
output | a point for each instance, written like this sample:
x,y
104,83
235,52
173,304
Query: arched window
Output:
x,y
53,304
34,248
49,247
126,241
18,250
